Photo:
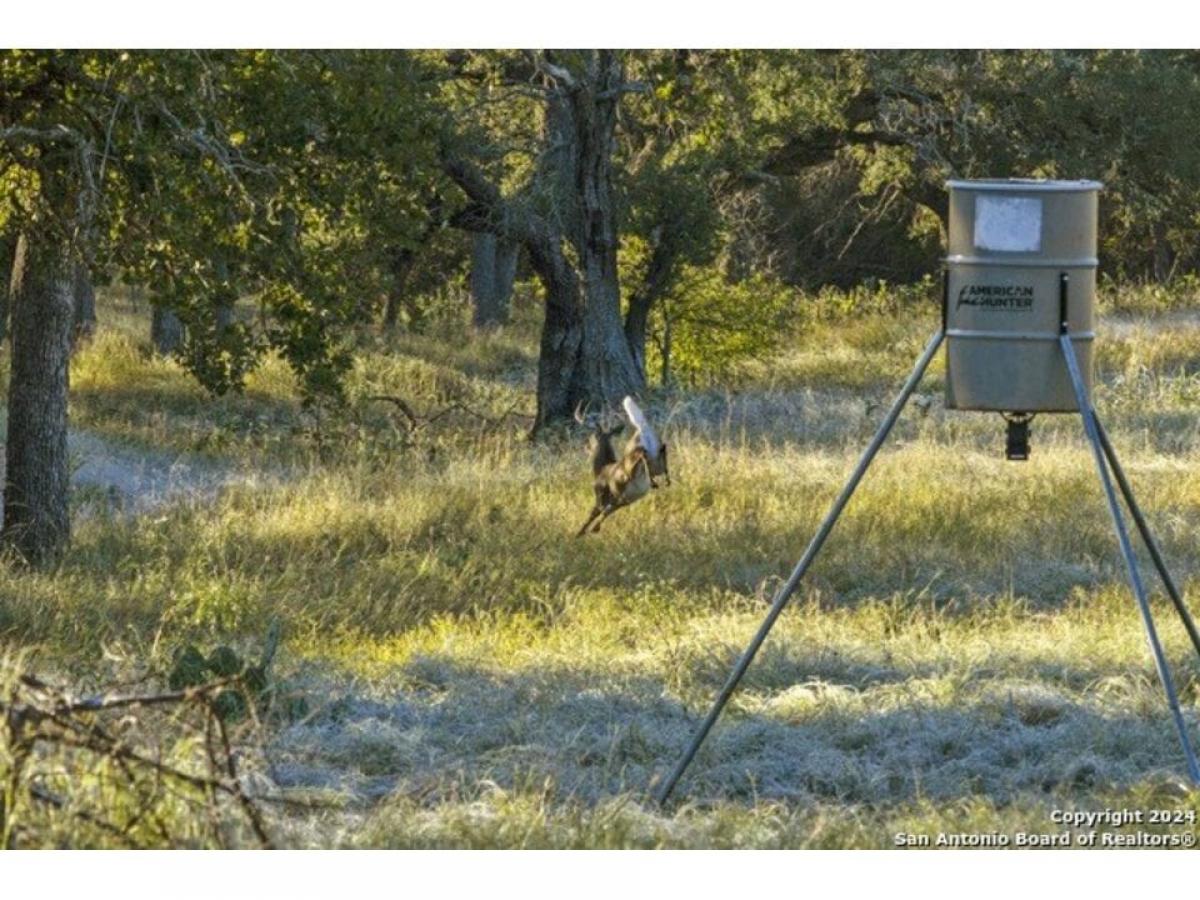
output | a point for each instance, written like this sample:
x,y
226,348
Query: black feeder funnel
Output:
x,y
1016,441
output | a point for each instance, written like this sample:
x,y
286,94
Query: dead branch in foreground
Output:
x,y
94,759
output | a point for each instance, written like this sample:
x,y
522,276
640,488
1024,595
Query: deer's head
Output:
x,y
601,446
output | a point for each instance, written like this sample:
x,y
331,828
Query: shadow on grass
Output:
x,y
450,732
127,410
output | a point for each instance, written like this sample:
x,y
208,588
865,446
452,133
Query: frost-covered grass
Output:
x,y
462,672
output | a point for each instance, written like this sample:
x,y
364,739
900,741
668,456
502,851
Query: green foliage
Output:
x,y
873,297
707,324
709,328
287,177
849,150
1180,295
190,668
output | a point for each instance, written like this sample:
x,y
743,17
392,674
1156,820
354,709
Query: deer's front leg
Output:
x,y
604,514
596,510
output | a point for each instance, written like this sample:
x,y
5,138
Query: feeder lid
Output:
x,y
1024,184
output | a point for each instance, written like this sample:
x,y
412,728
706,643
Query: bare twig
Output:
x,y
101,703
249,808
44,796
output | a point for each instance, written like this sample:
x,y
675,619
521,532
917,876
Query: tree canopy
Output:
x,y
315,182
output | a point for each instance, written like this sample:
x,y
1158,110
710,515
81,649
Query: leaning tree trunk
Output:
x,y
37,476
166,330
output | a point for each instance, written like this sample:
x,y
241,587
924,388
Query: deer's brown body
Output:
x,y
619,480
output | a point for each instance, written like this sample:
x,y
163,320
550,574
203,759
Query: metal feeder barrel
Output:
x,y
1010,242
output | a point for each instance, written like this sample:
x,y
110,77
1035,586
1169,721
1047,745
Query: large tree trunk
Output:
x,y
85,305
166,330
585,357
608,367
493,270
37,476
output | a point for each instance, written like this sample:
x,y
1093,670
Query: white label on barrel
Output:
x,y
1008,224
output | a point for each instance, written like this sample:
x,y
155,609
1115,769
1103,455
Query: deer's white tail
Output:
x,y
649,440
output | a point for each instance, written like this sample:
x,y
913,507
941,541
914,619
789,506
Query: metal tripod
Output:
x,y
1104,456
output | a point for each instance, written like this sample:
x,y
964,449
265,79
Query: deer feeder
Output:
x,y
1018,251
1017,315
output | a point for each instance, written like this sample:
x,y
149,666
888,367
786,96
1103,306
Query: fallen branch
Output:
x,y
402,405
416,422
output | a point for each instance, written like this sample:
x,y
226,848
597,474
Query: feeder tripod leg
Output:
x,y
814,547
1147,538
1135,578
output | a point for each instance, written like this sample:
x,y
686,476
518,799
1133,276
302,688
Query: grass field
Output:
x,y
458,671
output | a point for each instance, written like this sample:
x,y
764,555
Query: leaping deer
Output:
x,y
620,481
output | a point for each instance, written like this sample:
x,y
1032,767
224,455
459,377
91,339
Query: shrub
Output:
x,y
706,325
